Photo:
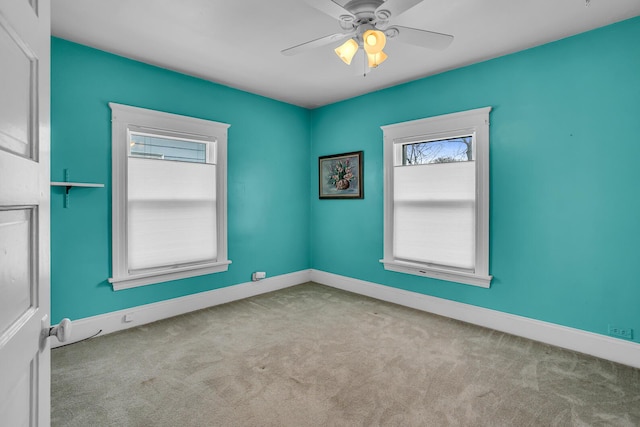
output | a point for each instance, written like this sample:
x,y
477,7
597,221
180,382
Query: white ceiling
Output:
x,y
238,42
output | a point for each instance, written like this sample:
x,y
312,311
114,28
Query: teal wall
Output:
x,y
565,205
268,190
565,211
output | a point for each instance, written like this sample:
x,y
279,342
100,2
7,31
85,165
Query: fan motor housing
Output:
x,y
363,10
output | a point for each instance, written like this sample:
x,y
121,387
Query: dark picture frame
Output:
x,y
340,176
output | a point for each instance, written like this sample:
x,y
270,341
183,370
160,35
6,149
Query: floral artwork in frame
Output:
x,y
341,176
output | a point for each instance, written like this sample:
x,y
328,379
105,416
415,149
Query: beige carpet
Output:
x,y
316,356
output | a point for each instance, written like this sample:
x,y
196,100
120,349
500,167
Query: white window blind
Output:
x,y
171,213
434,214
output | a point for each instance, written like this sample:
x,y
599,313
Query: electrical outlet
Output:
x,y
618,332
258,275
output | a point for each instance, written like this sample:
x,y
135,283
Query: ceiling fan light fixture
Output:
x,y
347,50
373,41
376,59
367,25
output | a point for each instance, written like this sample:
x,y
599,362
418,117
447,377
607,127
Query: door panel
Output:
x,y
21,399
17,253
18,83
17,405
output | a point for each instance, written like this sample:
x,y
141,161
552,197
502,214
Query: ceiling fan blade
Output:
x,y
422,38
322,41
396,7
330,8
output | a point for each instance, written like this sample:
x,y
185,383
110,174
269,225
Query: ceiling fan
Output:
x,y
366,24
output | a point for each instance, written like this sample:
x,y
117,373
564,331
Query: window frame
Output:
x,y
126,118
472,122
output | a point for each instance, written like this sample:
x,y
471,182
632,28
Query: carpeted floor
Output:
x,y
317,356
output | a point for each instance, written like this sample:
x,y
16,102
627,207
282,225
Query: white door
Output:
x,y
24,212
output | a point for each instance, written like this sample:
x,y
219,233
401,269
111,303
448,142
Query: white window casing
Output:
x,y
169,218
436,216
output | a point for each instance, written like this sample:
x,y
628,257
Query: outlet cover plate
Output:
x,y
618,332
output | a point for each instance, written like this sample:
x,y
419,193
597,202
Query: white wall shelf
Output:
x,y
69,185
75,184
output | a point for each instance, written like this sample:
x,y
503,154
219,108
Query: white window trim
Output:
x,y
123,118
472,122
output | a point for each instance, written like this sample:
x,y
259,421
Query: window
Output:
x,y
169,197
436,197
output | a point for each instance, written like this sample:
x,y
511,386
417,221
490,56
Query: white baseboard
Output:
x,y
616,350
115,321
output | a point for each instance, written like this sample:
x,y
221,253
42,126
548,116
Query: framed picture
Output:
x,y
341,176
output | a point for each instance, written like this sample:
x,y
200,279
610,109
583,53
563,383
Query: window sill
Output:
x,y
132,281
452,276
